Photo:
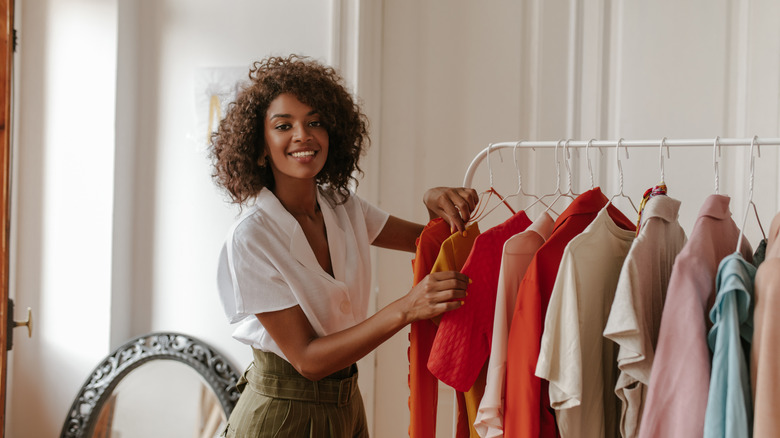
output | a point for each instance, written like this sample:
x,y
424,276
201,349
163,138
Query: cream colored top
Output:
x,y
575,358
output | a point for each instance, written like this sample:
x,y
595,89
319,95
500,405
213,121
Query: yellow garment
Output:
x,y
452,255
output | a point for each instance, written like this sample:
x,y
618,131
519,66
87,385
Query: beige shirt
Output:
x,y
635,316
519,250
765,348
575,358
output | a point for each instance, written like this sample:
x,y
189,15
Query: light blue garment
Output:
x,y
729,406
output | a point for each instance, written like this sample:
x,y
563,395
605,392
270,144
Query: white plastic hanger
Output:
x,y
750,195
620,175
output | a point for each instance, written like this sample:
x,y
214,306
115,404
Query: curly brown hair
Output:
x,y
240,140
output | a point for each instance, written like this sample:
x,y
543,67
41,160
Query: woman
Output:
x,y
294,273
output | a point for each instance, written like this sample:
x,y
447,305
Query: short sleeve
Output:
x,y
560,356
248,281
375,217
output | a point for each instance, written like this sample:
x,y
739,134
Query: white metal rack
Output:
x,y
659,143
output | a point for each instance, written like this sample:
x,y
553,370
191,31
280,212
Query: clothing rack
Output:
x,y
601,144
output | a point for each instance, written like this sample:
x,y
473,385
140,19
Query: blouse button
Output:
x,y
345,306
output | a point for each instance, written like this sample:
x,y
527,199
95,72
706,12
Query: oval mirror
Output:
x,y
160,384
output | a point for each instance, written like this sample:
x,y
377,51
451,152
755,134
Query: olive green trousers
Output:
x,y
276,401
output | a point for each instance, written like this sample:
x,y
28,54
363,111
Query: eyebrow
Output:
x,y
287,116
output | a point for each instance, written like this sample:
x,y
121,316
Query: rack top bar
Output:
x,y
658,143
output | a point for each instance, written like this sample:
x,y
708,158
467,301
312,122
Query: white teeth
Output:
x,y
303,154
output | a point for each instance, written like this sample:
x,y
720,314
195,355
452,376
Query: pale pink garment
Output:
x,y
765,348
635,316
679,380
519,250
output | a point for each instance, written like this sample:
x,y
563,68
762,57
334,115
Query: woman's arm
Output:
x,y
454,205
316,357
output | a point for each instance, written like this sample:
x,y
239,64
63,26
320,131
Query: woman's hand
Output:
x,y
435,294
453,204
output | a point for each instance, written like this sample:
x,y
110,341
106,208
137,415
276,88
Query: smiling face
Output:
x,y
296,142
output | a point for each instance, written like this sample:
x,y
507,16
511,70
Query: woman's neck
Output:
x,y
298,199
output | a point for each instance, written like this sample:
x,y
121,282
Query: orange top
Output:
x,y
423,386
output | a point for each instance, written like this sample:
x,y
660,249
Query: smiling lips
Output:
x,y
303,154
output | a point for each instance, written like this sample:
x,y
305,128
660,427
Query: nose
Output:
x,y
301,133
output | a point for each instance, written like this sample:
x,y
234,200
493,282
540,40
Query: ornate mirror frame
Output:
x,y
215,369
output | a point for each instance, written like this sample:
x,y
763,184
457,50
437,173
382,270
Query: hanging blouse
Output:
x,y
518,252
635,315
462,342
679,379
423,386
452,256
765,349
729,406
579,363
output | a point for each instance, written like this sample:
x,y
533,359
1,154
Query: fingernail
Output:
x,y
470,281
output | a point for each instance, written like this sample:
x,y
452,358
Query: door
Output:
x,y
6,69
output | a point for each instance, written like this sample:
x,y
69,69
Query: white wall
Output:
x,y
64,208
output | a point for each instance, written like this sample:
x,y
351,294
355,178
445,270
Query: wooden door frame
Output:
x,y
6,71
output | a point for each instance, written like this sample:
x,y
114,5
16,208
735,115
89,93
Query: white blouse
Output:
x,y
267,264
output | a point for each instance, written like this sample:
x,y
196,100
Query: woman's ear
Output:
x,y
261,161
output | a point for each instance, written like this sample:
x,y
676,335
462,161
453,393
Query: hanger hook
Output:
x,y
517,167
619,164
567,157
587,158
557,167
753,163
661,155
490,168
716,153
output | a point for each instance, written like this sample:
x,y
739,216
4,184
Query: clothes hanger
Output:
x,y
659,188
569,193
519,184
587,159
480,209
557,179
661,158
715,155
750,195
567,155
620,175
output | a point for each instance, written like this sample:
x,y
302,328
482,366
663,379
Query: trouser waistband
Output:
x,y
272,376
